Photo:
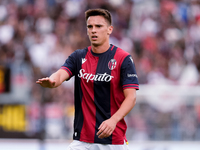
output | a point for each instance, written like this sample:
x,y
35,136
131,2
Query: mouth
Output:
x,y
94,37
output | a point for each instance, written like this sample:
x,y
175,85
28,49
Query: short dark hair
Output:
x,y
99,12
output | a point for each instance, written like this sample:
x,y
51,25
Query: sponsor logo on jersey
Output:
x,y
97,77
83,60
132,75
112,64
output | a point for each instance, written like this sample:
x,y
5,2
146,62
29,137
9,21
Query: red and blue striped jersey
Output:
x,y
99,83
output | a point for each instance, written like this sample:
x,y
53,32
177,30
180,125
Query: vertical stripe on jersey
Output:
x,y
117,99
88,106
102,95
78,118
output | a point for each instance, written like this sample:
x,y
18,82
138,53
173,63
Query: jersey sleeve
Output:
x,y
70,64
129,78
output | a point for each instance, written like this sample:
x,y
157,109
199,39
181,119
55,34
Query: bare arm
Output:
x,y
108,126
54,80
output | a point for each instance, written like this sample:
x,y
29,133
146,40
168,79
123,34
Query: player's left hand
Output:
x,y
106,128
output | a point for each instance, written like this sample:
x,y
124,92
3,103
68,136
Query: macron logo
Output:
x,y
83,60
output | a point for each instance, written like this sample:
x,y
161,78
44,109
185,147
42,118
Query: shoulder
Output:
x,y
120,54
80,52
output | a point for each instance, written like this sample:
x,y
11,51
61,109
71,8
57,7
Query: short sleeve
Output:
x,y
70,64
129,78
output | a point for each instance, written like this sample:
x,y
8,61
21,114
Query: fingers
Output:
x,y
101,129
105,130
106,133
39,81
46,82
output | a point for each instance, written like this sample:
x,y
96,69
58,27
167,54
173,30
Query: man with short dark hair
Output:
x,y
105,87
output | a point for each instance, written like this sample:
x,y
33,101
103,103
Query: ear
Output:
x,y
110,29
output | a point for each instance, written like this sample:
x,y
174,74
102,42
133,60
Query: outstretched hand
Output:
x,y
46,82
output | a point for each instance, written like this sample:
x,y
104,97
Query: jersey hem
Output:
x,y
88,141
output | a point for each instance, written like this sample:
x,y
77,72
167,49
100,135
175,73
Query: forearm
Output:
x,y
127,105
108,126
56,78
59,77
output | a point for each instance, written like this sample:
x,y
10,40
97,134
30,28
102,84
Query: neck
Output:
x,y
100,48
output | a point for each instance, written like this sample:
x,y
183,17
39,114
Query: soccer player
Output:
x,y
105,87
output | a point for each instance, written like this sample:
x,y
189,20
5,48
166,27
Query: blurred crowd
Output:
x,y
163,36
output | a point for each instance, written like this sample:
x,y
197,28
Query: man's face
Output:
x,y
98,30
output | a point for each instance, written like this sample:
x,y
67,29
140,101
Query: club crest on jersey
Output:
x,y
112,64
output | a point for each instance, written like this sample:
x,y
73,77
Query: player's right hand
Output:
x,y
46,82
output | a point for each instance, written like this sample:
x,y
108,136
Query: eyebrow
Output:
x,y
89,25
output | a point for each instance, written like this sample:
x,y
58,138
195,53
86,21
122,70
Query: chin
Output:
x,y
96,44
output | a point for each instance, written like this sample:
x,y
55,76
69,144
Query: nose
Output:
x,y
93,30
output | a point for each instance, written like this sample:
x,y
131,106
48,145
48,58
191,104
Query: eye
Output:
x,y
98,26
89,26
